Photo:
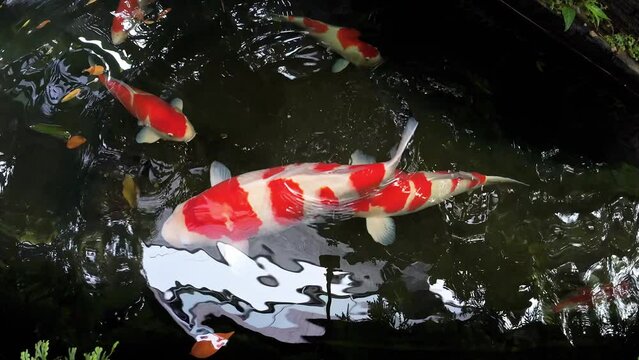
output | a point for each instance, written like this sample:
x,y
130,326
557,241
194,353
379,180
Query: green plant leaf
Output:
x,y
569,16
596,12
51,129
72,352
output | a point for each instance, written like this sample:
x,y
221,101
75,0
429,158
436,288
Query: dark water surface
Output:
x,y
476,277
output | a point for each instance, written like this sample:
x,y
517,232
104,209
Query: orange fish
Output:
x,y
71,95
75,141
94,70
43,24
209,344
163,13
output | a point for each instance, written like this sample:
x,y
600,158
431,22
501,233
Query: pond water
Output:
x,y
549,270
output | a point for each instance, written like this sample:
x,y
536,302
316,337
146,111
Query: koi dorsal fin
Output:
x,y
218,173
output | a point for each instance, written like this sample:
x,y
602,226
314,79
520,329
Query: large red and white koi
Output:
x,y
342,40
266,201
412,192
126,14
160,119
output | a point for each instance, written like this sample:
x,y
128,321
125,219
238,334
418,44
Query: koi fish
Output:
x,y
207,345
160,120
268,201
127,11
412,192
342,40
585,296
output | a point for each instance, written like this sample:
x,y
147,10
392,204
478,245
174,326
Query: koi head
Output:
x,y
174,229
190,133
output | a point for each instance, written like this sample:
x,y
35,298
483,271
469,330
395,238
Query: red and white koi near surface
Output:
x,y
160,119
412,192
342,40
266,201
126,14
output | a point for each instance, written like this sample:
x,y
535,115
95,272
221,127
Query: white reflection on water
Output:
x,y
278,290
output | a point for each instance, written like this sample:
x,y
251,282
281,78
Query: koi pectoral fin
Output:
x,y
177,104
339,65
218,173
147,136
381,229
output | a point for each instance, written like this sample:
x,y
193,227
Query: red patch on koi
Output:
x,y
327,196
325,167
316,25
222,210
423,190
394,196
479,180
367,176
286,200
453,185
272,171
350,37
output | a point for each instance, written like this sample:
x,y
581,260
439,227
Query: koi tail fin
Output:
x,y
407,134
276,17
501,180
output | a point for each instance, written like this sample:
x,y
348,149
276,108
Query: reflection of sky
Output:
x,y
279,308
273,295
124,65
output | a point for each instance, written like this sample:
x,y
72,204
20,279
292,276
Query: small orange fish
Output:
x,y
209,344
163,13
71,95
94,70
75,141
43,24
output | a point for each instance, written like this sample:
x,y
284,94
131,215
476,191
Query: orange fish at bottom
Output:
x,y
209,344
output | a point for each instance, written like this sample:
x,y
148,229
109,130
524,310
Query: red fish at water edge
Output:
x,y
267,201
160,119
412,192
127,12
585,295
342,40
207,345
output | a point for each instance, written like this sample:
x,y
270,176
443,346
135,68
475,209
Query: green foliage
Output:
x,y
387,312
569,14
595,11
42,351
624,42
592,10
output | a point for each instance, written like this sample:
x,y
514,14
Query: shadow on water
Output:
x,y
501,272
